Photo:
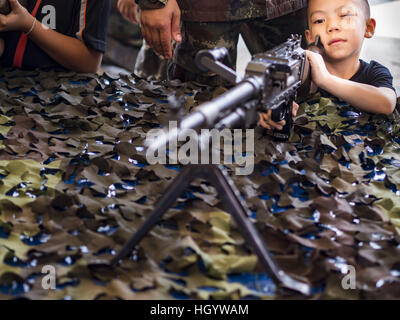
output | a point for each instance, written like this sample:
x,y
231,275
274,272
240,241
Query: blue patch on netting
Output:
x,y
141,165
299,192
35,240
265,197
13,261
349,114
69,260
209,289
84,183
162,101
308,184
132,183
108,230
44,171
171,167
180,206
178,295
271,169
3,233
49,160
376,175
374,150
142,200
80,82
344,162
31,93
260,282
15,288
106,250
275,208
70,283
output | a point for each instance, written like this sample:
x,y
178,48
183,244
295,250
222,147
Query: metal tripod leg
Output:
x,y
175,189
231,199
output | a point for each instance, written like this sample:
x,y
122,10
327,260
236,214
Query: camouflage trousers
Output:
x,y
259,35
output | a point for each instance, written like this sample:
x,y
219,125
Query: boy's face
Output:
x,y
341,25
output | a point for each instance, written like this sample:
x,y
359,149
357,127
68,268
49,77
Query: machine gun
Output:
x,y
271,83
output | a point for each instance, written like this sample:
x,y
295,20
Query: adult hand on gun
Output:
x,y
19,19
129,10
267,123
160,26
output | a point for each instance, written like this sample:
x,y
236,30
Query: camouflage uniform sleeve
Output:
x,y
151,4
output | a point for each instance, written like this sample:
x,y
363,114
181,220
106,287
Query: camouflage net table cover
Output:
x,y
75,185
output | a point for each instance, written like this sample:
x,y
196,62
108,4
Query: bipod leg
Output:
x,y
232,200
175,189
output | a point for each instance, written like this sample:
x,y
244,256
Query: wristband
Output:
x,y
151,4
33,26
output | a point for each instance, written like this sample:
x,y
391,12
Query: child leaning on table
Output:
x,y
68,34
342,26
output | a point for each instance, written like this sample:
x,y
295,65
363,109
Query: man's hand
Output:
x,y
267,123
159,26
19,19
129,10
319,73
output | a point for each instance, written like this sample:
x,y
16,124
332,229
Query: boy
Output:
x,y
55,33
342,26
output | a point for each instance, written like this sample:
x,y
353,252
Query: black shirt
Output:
x,y
86,20
372,73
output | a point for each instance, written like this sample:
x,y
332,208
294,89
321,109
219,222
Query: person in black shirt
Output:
x,y
373,74
65,34
342,26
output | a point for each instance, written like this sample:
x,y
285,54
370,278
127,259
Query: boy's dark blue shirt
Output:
x,y
86,20
372,73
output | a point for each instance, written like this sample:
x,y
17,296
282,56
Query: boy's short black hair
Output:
x,y
365,4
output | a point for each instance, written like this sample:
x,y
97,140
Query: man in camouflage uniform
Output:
x,y
125,45
213,23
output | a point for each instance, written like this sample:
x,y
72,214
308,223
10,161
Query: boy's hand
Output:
x,y
319,73
19,19
267,123
129,10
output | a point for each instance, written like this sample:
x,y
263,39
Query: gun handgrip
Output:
x,y
283,112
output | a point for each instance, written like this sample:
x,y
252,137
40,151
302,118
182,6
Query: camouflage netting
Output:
x,y
75,185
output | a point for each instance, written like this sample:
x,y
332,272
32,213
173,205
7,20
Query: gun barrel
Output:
x,y
208,114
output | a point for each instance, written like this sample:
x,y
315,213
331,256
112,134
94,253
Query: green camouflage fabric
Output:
x,y
75,185
263,36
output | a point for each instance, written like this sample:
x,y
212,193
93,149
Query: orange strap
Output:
x,y
23,39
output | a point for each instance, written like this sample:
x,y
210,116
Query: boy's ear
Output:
x,y
371,25
308,36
